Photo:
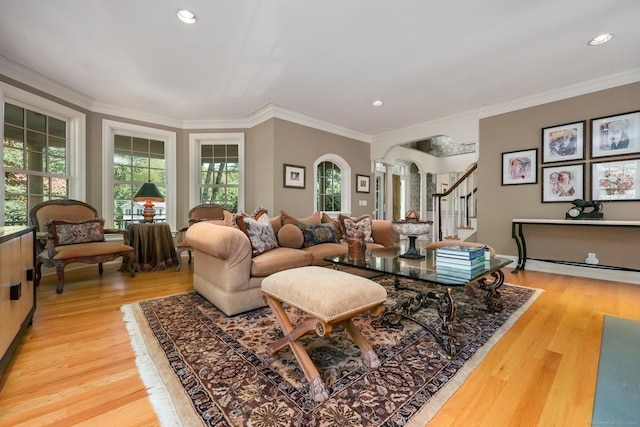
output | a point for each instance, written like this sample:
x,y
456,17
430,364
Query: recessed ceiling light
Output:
x,y
186,16
602,38
376,103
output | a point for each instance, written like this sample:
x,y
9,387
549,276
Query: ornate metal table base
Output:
x,y
447,308
492,299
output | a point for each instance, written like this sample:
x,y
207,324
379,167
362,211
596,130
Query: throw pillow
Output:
x,y
257,228
72,232
362,223
315,234
288,219
337,227
260,235
290,236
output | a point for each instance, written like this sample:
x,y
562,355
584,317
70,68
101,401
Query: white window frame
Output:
x,y
345,182
197,140
76,136
109,129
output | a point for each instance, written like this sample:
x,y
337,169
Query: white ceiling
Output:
x,y
328,59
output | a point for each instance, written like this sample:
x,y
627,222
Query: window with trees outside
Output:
x,y
216,169
220,175
136,161
34,161
329,187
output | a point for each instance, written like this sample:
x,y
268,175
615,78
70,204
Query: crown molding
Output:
x,y
579,87
32,78
463,120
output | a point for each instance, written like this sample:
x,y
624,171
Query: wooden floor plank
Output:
x,y
76,366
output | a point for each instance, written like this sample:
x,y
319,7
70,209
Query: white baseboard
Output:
x,y
579,271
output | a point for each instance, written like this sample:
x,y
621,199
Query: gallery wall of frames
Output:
x,y
599,162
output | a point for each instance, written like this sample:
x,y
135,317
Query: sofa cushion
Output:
x,y
362,223
319,252
316,234
290,236
72,232
289,219
279,259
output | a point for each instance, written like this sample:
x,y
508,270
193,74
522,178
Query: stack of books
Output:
x,y
461,262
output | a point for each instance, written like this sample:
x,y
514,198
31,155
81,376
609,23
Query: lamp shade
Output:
x,y
149,191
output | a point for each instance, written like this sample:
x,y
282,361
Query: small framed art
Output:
x,y
615,180
520,167
294,176
615,135
563,142
562,183
363,183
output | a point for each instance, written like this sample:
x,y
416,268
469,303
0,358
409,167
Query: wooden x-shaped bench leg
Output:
x,y
317,388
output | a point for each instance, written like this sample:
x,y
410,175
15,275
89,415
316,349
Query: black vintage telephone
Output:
x,y
579,205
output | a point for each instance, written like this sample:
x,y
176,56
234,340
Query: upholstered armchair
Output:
x,y
204,212
71,231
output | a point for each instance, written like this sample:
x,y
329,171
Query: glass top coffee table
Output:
x,y
388,261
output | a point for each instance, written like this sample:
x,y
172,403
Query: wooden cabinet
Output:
x,y
17,293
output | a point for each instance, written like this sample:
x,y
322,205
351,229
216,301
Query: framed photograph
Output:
x,y
615,181
562,183
520,167
563,142
362,183
615,135
294,176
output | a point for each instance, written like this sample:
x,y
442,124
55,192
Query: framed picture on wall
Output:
x,y
562,183
563,142
294,176
616,180
615,135
362,183
520,167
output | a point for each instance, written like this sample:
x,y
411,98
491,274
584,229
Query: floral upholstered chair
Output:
x,y
204,212
71,231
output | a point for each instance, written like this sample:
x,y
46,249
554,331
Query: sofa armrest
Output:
x,y
383,233
219,241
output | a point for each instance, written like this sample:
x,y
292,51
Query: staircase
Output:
x,y
454,215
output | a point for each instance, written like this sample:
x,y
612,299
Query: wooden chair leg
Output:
x,y
100,269
38,274
60,274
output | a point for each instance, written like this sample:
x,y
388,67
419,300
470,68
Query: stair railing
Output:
x,y
461,207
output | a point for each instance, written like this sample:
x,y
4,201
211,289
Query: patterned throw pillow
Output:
x,y
315,234
258,229
72,232
362,223
261,235
337,227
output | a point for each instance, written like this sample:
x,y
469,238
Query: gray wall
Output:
x,y
301,146
498,205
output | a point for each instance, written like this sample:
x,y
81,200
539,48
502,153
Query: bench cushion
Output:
x,y
324,293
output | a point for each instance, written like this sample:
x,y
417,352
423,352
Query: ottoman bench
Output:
x,y
330,298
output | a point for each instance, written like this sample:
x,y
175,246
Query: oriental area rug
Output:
x,y
201,367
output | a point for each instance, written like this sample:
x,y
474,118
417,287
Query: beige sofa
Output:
x,y
226,273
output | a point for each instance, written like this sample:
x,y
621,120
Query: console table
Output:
x,y
153,246
517,227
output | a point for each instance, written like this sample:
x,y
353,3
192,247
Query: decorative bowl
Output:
x,y
412,228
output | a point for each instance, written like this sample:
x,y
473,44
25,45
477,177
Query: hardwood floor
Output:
x,y
76,366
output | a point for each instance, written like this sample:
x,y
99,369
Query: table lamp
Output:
x,y
148,193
